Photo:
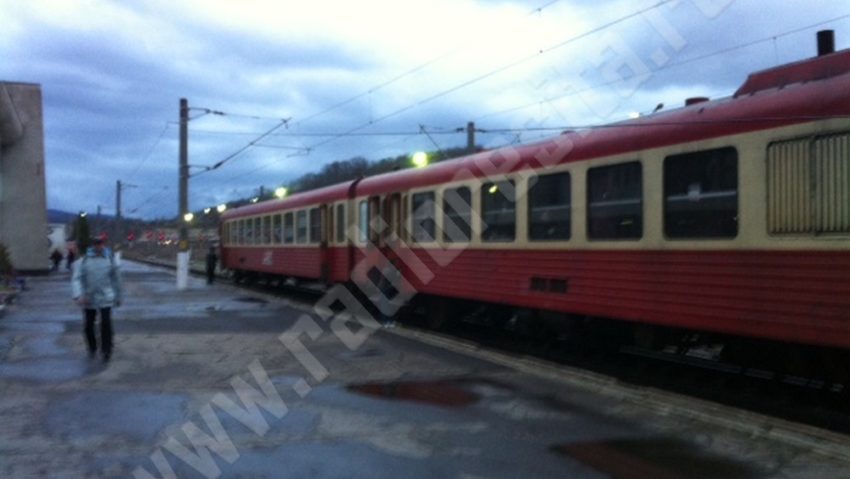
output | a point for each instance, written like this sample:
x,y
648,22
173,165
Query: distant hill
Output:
x,y
59,216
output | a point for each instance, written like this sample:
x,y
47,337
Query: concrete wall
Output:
x,y
23,201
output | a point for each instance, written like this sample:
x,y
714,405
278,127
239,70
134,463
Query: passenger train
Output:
x,y
725,218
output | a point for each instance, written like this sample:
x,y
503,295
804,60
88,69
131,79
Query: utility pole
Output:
x,y
97,222
118,233
183,249
470,137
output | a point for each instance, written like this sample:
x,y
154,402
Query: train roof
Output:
x,y
326,194
809,90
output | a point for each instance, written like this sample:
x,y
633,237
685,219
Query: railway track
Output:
x,y
806,400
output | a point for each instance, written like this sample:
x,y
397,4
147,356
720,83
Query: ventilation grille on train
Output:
x,y
548,285
808,189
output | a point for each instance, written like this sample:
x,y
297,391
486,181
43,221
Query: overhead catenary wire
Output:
x,y
355,132
150,151
527,105
404,74
340,104
665,67
491,73
147,201
238,152
349,132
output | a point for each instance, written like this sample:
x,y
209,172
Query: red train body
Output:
x,y
727,216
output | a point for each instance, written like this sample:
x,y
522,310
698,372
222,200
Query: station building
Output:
x,y
23,201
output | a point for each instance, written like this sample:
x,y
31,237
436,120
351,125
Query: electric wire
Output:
x,y
354,131
404,74
492,73
665,67
150,151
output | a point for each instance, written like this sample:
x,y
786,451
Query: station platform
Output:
x,y
218,381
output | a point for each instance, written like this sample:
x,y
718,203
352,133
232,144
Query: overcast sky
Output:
x,y
359,78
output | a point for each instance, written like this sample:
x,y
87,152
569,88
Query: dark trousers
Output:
x,y
105,330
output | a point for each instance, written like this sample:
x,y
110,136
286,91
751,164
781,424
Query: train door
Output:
x,y
392,217
376,227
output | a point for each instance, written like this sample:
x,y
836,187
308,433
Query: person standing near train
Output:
x,y
96,286
212,259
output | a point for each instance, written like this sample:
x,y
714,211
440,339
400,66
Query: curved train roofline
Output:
x,y
327,194
810,90
806,91
769,260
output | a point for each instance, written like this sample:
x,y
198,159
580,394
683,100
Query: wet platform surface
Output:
x,y
219,382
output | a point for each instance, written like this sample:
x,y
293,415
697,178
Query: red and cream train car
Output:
x,y
728,216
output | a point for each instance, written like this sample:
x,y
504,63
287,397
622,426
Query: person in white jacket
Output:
x,y
96,286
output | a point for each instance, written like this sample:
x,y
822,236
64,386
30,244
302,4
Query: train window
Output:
x,y
301,227
363,224
377,225
614,201
393,216
249,231
330,223
549,208
288,229
424,217
457,215
498,211
701,194
267,229
258,229
340,223
240,232
277,233
315,225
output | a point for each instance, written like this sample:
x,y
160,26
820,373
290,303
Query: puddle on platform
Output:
x,y
436,393
49,370
112,413
334,459
362,353
655,458
44,346
49,327
250,299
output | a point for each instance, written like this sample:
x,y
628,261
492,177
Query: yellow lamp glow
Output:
x,y
420,159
